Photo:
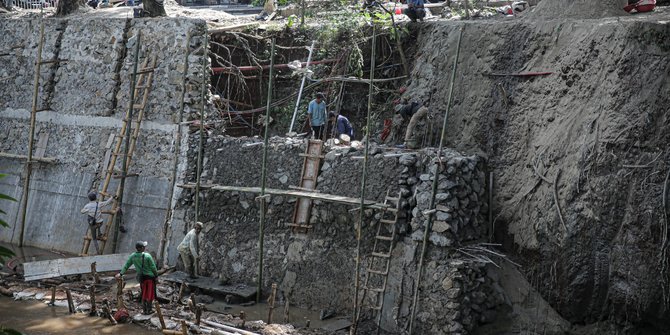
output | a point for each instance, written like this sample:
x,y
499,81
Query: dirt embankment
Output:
x,y
578,9
597,128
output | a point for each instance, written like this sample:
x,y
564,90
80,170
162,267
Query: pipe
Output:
x,y
225,69
435,179
261,222
202,134
33,117
126,149
357,308
302,85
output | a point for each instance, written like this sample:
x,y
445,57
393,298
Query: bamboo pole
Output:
x,y
31,135
119,294
357,308
286,311
271,302
435,182
160,314
492,232
228,328
243,317
202,137
302,86
184,328
92,293
177,153
198,313
70,303
94,271
126,149
108,313
264,178
53,296
181,291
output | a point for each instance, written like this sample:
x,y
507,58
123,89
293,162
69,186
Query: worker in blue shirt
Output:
x,y
415,10
341,125
316,115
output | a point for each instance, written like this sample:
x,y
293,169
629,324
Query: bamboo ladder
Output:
x,y
379,261
143,85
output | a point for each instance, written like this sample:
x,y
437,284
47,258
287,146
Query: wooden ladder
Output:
x,y
379,261
310,172
143,85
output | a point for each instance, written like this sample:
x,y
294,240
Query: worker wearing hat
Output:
x,y
146,274
188,249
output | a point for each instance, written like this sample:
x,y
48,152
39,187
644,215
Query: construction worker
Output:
x,y
146,274
188,249
413,111
415,10
316,115
93,209
341,125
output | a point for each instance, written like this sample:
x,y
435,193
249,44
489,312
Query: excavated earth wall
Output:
x,y
83,100
315,270
592,136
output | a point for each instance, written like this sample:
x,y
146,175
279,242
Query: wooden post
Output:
x,y
307,324
160,314
191,303
467,9
92,292
107,311
286,311
53,296
181,292
184,328
70,304
94,271
243,317
119,294
271,302
198,313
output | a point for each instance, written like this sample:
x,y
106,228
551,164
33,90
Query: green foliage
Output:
x,y
291,20
7,331
4,252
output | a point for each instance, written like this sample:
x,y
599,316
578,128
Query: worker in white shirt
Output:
x,y
188,249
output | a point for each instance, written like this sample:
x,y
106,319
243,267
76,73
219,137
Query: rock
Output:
x,y
407,160
448,284
442,196
331,156
283,179
277,200
440,240
169,324
440,226
442,216
244,204
417,236
203,298
141,318
424,177
453,293
412,180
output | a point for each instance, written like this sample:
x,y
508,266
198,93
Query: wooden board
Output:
x,y
42,144
310,172
336,325
297,194
72,266
212,285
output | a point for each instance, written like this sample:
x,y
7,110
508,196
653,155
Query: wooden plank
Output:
x,y
212,285
71,266
297,194
42,145
336,325
310,171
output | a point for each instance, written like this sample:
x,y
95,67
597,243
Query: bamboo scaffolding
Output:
x,y
357,278
126,149
261,222
31,135
435,182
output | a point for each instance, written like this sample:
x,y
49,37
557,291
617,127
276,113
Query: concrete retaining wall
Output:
x,y
85,100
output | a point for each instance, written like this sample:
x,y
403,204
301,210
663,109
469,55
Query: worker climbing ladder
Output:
x,y
310,172
379,261
130,127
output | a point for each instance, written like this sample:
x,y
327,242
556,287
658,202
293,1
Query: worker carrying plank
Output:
x,y
147,273
93,210
188,250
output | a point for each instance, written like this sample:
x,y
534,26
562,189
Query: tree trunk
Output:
x,y
579,9
153,8
67,7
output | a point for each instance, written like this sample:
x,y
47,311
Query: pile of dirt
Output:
x,y
578,9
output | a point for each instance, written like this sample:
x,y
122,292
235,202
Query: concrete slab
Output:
x,y
336,325
71,266
212,285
